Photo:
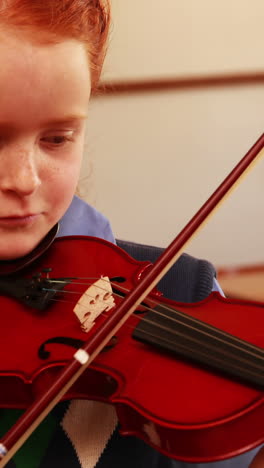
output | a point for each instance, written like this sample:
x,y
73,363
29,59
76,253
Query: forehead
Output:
x,y
42,79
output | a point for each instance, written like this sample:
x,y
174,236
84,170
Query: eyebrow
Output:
x,y
58,121
69,118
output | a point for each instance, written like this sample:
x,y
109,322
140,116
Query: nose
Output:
x,y
19,172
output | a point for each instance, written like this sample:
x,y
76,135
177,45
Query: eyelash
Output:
x,y
65,139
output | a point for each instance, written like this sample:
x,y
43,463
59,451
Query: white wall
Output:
x,y
153,159
177,37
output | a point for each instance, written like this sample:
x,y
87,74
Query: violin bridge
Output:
x,y
97,299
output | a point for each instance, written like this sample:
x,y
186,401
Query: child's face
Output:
x,y
44,95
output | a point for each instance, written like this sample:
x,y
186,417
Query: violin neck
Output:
x,y
198,342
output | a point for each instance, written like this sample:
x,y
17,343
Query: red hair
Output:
x,y
50,21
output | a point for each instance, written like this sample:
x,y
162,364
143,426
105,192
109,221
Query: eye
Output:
x,y
57,140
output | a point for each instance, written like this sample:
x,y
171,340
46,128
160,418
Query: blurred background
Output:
x,y
182,103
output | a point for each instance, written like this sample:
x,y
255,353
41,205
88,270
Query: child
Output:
x,y
51,54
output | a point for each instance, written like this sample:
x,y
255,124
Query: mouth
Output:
x,y
18,220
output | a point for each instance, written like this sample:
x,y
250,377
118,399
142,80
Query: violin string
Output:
x,y
183,347
207,345
191,320
202,332
208,353
199,341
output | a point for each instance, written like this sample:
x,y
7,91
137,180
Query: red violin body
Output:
x,y
183,410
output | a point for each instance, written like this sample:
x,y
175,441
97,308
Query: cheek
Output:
x,y
59,185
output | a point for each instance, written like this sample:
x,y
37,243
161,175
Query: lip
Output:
x,y
18,220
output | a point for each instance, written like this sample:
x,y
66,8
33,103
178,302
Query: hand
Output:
x,y
258,461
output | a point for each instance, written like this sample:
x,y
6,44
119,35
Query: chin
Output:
x,y
14,255
18,248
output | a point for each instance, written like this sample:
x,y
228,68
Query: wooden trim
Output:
x,y
176,84
240,270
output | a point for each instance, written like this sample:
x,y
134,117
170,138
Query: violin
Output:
x,y
186,378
